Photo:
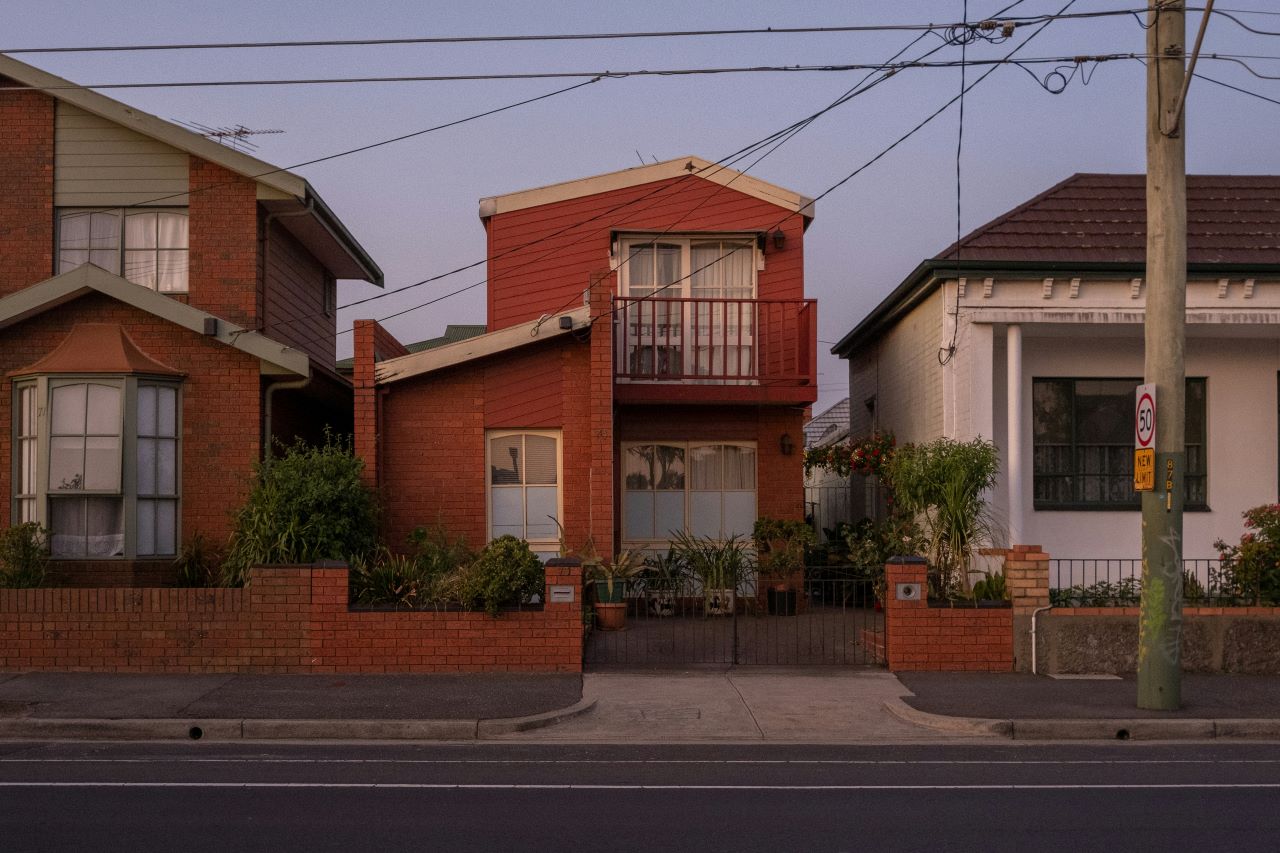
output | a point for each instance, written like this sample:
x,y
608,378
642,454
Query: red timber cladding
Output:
x,y
26,188
293,294
526,283
431,449
220,404
223,235
920,637
288,620
779,478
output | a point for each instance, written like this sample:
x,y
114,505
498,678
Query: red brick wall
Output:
x,y
26,188
223,234
525,283
372,344
292,620
920,637
220,404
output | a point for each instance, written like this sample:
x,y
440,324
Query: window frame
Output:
x,y
1134,504
647,543
43,385
122,249
627,242
539,543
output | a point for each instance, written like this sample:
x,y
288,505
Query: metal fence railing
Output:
x,y
1107,582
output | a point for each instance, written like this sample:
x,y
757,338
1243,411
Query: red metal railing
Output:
x,y
726,341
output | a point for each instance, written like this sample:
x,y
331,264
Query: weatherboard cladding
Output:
x,y
1231,219
551,274
99,163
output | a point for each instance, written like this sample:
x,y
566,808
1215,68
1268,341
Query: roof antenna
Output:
x,y
640,157
233,137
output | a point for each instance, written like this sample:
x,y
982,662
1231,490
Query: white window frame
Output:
x,y
537,543
122,249
43,386
645,543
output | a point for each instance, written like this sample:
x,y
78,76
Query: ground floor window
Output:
x,y
524,485
98,464
705,488
1082,433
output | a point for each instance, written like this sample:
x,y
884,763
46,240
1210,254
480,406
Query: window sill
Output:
x,y
1108,508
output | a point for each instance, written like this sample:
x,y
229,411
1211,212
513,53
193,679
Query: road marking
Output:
x,y
644,761
500,786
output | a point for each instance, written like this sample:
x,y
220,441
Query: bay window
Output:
x,y
147,246
97,464
707,489
524,485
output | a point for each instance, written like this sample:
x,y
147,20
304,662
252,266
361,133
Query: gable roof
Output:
x,y
276,358
826,424
279,190
452,334
637,175
481,346
1098,222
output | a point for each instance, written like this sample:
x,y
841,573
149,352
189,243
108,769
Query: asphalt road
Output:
x,y
500,797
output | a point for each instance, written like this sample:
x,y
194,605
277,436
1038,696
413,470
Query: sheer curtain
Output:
x,y
723,332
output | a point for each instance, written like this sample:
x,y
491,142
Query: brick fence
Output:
x,y
921,636
289,619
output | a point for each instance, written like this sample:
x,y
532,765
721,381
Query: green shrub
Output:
x,y
427,577
1250,571
306,505
198,563
780,545
506,572
992,587
435,553
24,556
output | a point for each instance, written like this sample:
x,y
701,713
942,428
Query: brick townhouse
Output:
x,y
648,360
166,308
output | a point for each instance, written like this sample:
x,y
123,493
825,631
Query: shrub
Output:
x,y
24,556
306,505
1251,570
506,572
198,563
427,577
780,545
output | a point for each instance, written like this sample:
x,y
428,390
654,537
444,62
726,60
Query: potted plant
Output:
x,y
780,548
610,586
717,565
662,578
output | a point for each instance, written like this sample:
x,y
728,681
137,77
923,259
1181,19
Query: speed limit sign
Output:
x,y
1144,439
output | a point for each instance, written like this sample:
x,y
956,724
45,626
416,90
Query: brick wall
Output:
x,y
289,620
372,344
26,188
921,637
223,235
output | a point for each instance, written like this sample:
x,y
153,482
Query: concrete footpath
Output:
x,y
729,705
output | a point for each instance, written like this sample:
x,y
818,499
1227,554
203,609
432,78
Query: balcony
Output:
x,y
715,350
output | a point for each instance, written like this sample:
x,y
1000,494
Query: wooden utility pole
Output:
x,y
1160,625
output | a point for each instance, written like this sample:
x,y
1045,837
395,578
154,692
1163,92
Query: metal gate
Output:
x,y
830,618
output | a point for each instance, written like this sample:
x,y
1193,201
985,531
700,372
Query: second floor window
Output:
x,y
148,246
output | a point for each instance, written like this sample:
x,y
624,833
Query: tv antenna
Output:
x,y
236,137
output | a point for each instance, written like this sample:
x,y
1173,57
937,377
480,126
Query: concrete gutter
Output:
x,y
257,729
1090,729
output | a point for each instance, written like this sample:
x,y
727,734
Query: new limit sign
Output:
x,y
1144,439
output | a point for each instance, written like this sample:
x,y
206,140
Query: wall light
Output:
x,y
786,445
779,239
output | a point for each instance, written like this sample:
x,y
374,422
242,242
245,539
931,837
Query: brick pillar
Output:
x,y
565,616
901,616
365,395
602,496
223,243
1026,574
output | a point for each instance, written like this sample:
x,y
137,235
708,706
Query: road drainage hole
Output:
x,y
1122,734
196,733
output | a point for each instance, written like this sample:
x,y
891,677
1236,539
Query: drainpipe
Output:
x,y
278,385
266,251
1034,614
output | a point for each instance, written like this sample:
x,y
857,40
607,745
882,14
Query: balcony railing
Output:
x,y
716,341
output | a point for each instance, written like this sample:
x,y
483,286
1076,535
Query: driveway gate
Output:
x,y
829,618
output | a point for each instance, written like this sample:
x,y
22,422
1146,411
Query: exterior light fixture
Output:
x,y
785,444
779,239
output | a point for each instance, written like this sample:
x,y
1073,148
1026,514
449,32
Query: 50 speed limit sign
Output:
x,y
1144,439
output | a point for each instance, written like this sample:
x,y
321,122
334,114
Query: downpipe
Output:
x,y
1034,614
268,404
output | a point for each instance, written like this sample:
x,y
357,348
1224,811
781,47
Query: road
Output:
x,y
555,797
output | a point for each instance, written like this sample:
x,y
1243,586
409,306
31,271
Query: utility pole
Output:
x,y
1160,623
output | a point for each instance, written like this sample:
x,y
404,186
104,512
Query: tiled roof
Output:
x,y
1231,219
833,419
452,334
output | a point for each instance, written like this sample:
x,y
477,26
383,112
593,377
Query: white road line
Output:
x,y
498,786
643,761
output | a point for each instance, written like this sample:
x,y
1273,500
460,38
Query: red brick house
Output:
x,y
166,308
648,360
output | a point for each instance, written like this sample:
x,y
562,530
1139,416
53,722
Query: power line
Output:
x,y
655,34
599,74
1239,89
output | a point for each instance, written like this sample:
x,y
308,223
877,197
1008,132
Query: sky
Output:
x,y
413,204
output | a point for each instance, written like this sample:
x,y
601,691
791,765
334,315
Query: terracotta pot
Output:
x,y
610,617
